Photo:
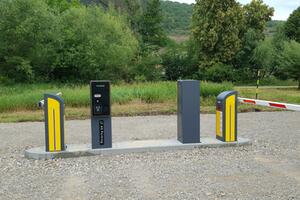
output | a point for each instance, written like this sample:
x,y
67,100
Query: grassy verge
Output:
x,y
272,81
131,109
18,105
25,97
284,95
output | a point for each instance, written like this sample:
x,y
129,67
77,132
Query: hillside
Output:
x,y
271,27
177,17
118,3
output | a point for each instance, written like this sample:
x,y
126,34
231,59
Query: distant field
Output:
x,y
179,38
19,102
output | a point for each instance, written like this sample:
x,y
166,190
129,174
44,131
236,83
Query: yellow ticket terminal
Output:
x,y
54,123
226,116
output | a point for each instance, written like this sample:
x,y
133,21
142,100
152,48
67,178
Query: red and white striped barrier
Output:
x,y
270,104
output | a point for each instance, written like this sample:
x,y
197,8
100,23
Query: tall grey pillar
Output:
x,y
188,111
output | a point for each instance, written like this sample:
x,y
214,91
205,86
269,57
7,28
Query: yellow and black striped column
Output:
x,y
54,123
226,116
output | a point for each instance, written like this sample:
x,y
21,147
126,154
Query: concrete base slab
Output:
x,y
78,150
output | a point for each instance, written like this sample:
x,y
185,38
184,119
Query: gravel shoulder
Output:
x,y
269,169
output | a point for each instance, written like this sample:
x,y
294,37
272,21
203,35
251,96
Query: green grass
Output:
x,y
284,95
19,102
25,97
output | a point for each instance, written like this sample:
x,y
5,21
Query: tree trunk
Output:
x,y
299,84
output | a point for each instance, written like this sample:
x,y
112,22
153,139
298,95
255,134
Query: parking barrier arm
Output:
x,y
271,104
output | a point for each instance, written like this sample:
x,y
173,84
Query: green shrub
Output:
x,y
28,35
95,45
178,63
63,41
220,73
147,67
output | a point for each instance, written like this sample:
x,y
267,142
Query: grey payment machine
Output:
x,y
101,114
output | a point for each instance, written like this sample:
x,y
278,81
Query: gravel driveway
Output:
x,y
269,169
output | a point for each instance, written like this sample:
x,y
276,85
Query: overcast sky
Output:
x,y
283,8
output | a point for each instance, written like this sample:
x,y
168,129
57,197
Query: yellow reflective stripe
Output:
x,y
230,119
227,120
233,120
50,128
57,128
54,125
218,123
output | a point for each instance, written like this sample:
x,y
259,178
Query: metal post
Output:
x,y
257,84
188,111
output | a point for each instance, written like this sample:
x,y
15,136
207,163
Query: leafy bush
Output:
x,y
291,60
147,67
90,52
28,35
178,62
292,25
63,41
220,73
264,56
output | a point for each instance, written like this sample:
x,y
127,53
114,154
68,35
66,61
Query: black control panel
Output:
x,y
100,98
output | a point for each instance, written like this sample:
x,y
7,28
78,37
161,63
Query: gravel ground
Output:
x,y
269,169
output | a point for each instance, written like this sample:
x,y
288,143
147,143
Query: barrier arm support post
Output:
x,y
226,116
54,108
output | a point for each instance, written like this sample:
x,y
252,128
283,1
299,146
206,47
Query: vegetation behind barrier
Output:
x,y
25,97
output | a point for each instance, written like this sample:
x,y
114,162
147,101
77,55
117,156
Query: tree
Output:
x,y
151,24
216,26
278,42
291,60
292,26
257,14
249,42
88,52
178,62
38,42
264,57
62,5
135,12
28,39
279,38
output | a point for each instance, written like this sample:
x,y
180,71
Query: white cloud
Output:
x,y
283,8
